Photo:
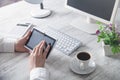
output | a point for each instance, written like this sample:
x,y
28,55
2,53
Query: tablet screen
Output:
x,y
36,37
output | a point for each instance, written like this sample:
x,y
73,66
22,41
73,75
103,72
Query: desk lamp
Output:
x,y
40,12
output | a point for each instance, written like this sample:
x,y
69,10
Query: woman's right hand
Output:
x,y
38,55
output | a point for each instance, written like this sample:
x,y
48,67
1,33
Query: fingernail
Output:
x,y
50,44
43,40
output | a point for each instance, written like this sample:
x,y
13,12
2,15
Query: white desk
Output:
x,y
15,66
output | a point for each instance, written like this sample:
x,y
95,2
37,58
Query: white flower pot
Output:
x,y
107,50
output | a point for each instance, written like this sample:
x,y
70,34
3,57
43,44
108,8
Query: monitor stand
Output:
x,y
117,19
87,25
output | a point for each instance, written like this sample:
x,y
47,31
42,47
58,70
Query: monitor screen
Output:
x,y
100,8
103,9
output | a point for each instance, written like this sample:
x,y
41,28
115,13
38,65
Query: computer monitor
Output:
x,y
95,10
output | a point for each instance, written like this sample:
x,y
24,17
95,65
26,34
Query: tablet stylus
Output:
x,y
24,25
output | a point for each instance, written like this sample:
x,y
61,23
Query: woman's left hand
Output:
x,y
19,45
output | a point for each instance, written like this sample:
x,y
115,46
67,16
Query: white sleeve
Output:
x,y
39,74
7,44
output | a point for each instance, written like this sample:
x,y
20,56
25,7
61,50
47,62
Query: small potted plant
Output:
x,y
110,38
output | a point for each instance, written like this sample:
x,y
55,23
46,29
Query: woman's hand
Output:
x,y
19,45
38,56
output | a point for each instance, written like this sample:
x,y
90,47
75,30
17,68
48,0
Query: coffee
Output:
x,y
83,56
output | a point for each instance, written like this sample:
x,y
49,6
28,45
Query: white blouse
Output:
x,y
7,45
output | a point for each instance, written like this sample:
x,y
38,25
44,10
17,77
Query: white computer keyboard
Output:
x,y
64,43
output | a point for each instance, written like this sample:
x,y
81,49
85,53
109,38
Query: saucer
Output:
x,y
75,68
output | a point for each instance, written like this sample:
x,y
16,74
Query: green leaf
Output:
x,y
109,37
99,39
115,49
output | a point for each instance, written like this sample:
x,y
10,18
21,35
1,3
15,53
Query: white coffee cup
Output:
x,y
83,60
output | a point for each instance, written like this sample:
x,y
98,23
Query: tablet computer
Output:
x,y
36,37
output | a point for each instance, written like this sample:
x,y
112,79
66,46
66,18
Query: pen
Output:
x,y
24,25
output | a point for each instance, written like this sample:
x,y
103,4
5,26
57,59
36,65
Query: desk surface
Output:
x,y
15,66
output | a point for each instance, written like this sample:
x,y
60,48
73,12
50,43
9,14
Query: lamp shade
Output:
x,y
34,1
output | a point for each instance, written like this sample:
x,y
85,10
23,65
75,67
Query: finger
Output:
x,y
39,44
26,50
38,47
36,51
27,34
33,52
41,48
46,51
